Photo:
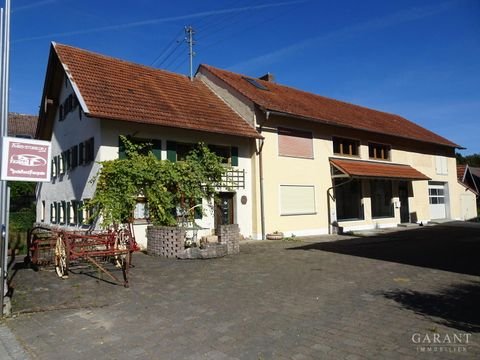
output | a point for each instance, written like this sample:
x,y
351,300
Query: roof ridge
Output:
x,y
415,127
112,58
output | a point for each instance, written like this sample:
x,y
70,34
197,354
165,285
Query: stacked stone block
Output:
x,y
165,241
230,236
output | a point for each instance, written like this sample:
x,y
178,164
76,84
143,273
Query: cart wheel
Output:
x,y
121,243
61,258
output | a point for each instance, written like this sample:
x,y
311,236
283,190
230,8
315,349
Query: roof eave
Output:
x,y
328,122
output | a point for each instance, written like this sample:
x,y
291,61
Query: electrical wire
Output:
x,y
166,48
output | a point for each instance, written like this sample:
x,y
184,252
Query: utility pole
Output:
x,y
189,39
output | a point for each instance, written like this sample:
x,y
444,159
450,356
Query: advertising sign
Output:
x,y
25,159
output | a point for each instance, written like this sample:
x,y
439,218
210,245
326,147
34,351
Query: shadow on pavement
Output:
x,y
453,248
455,306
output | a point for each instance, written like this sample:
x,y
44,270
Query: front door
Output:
x,y
403,197
224,209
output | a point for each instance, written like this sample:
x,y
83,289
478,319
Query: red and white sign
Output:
x,y
25,159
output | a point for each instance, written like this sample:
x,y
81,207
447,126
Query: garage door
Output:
x,y
436,197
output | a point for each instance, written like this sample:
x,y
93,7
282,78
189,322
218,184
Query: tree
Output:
x,y
472,160
166,185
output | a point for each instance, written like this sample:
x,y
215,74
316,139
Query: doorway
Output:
x,y
224,209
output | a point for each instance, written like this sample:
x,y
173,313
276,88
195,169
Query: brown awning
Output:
x,y
370,169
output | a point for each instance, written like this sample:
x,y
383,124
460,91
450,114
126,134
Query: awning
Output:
x,y
377,170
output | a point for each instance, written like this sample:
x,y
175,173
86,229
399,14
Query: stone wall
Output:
x,y
230,236
165,241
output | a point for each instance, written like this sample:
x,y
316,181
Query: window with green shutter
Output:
x,y
172,151
153,145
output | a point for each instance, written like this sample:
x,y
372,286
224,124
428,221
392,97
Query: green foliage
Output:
x,y
471,160
166,185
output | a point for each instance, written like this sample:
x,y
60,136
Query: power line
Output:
x,y
172,52
162,53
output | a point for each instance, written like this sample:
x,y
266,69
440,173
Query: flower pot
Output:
x,y
275,236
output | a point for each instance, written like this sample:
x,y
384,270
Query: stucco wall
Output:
x,y
111,130
280,170
74,184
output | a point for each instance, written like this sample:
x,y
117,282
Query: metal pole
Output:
x,y
2,183
189,30
4,132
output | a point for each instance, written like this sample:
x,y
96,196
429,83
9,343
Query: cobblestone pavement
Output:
x,y
356,298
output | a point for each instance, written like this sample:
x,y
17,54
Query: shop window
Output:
x,y
381,198
348,199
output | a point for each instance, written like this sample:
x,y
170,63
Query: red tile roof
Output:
x,y
370,169
22,125
121,90
461,171
295,102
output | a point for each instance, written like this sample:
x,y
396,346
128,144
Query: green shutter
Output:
x,y
57,212
67,213
234,156
157,148
121,149
80,213
172,151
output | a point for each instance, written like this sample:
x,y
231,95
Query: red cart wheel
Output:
x,y
61,258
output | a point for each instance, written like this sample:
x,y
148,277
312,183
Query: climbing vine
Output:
x,y
167,186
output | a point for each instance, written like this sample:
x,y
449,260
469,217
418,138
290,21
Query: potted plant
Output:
x,y
276,235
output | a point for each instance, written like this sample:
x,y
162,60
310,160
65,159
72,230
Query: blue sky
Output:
x,y
419,59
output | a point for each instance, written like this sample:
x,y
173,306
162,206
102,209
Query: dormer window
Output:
x,y
379,151
343,146
255,83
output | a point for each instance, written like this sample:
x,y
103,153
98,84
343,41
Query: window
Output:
x,y
148,145
441,165
53,212
70,213
379,151
295,143
342,146
255,83
297,199
54,167
381,198
62,212
141,209
222,151
436,195
61,164
183,150
179,151
42,212
81,153
87,212
348,199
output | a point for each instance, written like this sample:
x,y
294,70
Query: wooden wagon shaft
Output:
x,y
97,264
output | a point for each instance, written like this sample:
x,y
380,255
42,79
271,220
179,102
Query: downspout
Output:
x,y
260,164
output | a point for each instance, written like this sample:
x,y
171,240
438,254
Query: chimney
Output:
x,y
268,77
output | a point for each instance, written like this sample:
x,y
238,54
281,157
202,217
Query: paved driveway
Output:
x,y
385,296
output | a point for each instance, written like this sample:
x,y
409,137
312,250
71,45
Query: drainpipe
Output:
x,y
260,164
262,200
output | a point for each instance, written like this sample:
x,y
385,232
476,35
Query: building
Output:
x,y
469,178
22,125
301,162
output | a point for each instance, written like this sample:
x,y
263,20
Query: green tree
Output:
x,y
166,185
